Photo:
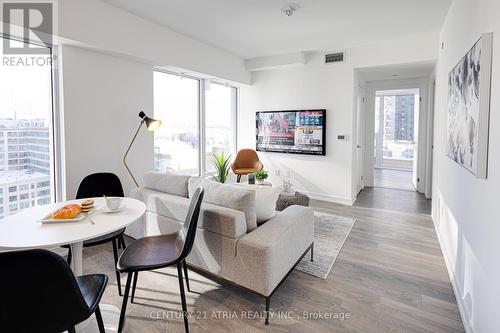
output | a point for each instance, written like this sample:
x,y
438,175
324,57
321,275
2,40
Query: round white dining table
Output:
x,y
24,230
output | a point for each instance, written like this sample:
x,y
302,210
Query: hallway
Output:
x,y
403,201
393,179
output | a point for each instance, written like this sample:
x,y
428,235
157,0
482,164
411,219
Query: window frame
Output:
x,y
202,90
55,120
234,119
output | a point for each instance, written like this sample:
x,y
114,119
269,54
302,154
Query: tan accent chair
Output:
x,y
246,162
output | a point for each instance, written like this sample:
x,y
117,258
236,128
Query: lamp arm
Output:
x,y
126,153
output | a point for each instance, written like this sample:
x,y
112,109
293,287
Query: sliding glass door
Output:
x,y
27,158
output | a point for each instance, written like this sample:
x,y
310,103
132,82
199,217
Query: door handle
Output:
x,y
358,146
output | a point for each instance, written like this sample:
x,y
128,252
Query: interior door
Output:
x,y
418,102
360,165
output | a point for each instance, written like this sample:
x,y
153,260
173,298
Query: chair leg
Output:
x,y
123,311
134,284
98,318
268,304
69,256
183,297
184,265
238,178
115,255
71,330
312,252
122,241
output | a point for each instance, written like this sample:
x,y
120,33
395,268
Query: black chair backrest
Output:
x,y
99,184
38,293
189,227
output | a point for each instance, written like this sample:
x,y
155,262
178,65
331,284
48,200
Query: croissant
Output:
x,y
67,212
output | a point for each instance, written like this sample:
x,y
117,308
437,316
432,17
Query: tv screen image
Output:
x,y
296,132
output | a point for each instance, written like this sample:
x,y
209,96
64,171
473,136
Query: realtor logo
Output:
x,y
31,21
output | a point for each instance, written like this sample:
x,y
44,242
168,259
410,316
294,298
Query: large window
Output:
x,y
198,120
26,133
220,129
176,141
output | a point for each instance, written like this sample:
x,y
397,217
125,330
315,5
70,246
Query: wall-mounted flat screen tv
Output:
x,y
295,132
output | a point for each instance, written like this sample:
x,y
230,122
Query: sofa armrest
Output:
x,y
270,251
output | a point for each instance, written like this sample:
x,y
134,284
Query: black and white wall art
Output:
x,y
469,85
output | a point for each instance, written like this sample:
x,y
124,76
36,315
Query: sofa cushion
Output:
x,y
220,220
226,195
265,202
170,183
168,205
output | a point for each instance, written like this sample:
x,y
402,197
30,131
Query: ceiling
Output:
x,y
397,71
255,28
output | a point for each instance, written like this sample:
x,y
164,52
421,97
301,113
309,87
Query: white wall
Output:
x,y
102,96
95,24
465,209
334,87
107,57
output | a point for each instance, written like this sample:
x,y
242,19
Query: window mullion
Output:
x,y
234,120
201,127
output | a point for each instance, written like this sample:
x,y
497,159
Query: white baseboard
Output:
x,y
466,320
330,198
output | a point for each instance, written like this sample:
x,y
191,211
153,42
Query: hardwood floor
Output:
x,y
394,179
395,200
389,277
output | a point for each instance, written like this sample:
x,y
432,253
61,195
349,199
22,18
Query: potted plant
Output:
x,y
261,176
221,162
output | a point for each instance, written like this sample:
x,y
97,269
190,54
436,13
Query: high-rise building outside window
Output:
x,y
26,136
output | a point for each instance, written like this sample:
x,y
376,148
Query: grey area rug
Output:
x,y
330,233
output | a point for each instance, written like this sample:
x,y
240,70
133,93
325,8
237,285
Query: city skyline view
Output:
x,y
25,137
396,129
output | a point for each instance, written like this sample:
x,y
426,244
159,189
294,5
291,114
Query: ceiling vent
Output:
x,y
334,57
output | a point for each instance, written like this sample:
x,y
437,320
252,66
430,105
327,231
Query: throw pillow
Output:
x,y
170,183
229,196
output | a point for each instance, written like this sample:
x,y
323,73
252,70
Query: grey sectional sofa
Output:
x,y
229,245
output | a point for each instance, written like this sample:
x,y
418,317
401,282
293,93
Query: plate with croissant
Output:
x,y
70,213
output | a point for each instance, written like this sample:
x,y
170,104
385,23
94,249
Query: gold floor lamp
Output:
x,y
151,125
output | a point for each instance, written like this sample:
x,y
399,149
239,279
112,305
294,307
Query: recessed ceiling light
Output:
x,y
289,9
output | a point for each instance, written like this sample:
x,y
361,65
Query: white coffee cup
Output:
x,y
113,203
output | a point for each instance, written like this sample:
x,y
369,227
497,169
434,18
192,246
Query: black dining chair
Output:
x,y
97,185
161,251
39,293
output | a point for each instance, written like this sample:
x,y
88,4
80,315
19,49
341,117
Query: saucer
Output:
x,y
110,211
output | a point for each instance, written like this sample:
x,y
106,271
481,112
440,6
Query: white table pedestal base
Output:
x,y
76,260
110,317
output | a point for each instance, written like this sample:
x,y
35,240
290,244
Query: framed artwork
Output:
x,y
469,88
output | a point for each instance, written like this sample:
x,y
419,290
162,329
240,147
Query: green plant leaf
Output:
x,y
222,164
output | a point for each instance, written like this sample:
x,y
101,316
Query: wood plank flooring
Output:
x,y
398,179
389,277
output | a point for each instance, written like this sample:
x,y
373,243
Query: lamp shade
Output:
x,y
151,124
